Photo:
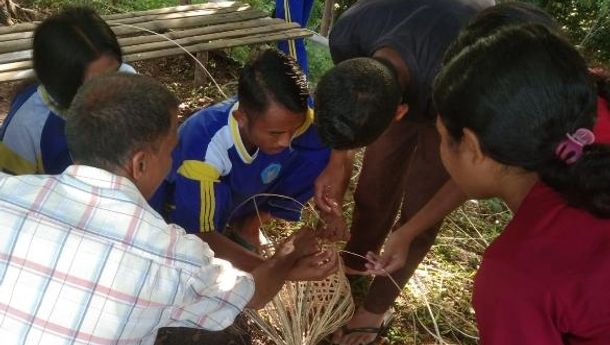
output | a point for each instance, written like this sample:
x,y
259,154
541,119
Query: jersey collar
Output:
x,y
50,102
236,136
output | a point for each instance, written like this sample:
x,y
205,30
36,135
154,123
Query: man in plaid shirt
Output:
x,y
85,260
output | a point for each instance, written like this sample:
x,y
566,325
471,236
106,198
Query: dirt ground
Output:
x,y
6,92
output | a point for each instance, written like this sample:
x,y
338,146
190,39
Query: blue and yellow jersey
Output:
x,y
32,135
32,138
213,173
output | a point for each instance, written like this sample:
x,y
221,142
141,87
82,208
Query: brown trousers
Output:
x,y
402,169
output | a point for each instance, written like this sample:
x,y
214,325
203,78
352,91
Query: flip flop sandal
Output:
x,y
388,317
373,330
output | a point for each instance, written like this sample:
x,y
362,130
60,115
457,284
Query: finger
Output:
x,y
373,257
331,266
392,266
335,209
371,270
320,197
324,255
316,259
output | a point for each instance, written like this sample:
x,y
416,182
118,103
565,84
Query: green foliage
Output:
x,y
319,61
267,6
587,23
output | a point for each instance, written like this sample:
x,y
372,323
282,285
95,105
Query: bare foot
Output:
x,y
361,319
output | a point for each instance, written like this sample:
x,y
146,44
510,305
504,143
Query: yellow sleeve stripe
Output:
x,y
198,170
207,175
12,163
308,121
208,206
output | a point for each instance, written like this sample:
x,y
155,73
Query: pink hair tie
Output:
x,y
569,150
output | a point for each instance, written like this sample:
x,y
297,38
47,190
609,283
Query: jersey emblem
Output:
x,y
270,173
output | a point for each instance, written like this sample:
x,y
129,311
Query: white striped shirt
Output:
x,y
85,260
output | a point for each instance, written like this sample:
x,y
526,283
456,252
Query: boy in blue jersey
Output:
x,y
262,141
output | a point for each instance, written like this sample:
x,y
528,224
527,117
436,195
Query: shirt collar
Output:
x,y
103,179
236,136
50,102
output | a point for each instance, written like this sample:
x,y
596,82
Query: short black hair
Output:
x,y
64,46
272,76
521,90
114,115
355,102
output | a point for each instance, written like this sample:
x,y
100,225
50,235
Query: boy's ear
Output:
x,y
473,146
138,164
401,110
240,117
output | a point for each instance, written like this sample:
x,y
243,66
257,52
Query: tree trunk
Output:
x,y
327,17
185,2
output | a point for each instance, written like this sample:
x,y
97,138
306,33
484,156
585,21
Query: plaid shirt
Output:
x,y
85,260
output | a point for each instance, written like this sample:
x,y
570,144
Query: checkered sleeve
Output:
x,y
214,294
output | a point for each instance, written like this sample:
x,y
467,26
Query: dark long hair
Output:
x,y
64,46
521,90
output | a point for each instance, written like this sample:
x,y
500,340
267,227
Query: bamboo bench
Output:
x,y
198,28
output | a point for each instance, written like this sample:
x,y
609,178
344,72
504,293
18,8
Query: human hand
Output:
x,y
330,185
316,266
332,225
301,244
393,257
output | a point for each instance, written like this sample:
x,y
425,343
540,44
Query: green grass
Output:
x,y
435,305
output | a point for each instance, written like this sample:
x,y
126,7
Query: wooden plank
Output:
x,y
181,23
156,26
173,9
16,75
205,12
127,41
23,55
275,29
228,43
219,44
15,66
174,22
21,27
189,41
16,36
